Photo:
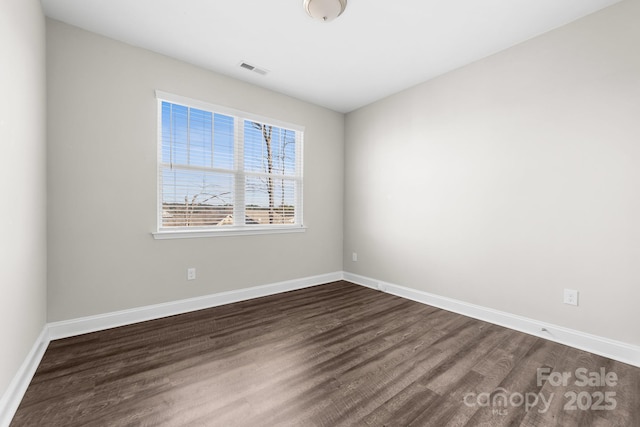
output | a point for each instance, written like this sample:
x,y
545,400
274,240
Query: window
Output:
x,y
222,171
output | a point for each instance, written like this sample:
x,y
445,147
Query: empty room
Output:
x,y
320,213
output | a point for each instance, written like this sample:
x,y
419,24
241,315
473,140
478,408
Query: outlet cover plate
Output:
x,y
571,296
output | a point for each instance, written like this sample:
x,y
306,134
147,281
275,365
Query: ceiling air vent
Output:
x,y
253,68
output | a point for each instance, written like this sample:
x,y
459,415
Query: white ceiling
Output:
x,y
376,48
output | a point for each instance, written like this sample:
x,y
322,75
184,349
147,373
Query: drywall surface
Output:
x,y
22,182
102,126
510,179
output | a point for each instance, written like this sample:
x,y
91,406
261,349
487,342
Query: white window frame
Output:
x,y
239,175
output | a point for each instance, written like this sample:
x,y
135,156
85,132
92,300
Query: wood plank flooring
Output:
x,y
332,355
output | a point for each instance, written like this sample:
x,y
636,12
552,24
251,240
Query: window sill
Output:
x,y
192,234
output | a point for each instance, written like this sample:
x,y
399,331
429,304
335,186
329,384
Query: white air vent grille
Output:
x,y
253,68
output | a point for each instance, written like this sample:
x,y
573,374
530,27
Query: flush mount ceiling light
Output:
x,y
325,10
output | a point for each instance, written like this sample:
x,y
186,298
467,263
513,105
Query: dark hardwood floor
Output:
x,y
332,355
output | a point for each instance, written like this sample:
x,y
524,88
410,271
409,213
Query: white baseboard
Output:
x,y
602,346
83,325
18,386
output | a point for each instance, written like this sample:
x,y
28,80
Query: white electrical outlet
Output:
x,y
191,273
354,257
571,297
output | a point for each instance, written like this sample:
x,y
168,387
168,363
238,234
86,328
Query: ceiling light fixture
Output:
x,y
325,10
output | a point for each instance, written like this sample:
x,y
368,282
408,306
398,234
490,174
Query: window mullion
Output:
x,y
239,187
188,136
213,142
298,178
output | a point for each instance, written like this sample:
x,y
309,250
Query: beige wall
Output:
x,y
510,179
22,182
102,183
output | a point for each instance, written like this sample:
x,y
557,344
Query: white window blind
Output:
x,y
225,170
